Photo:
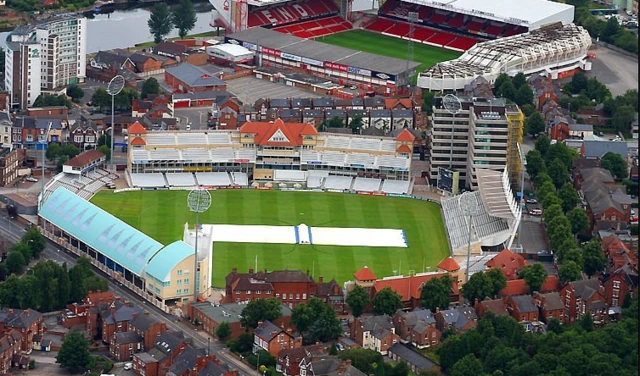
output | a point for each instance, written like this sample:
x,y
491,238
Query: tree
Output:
x,y
317,320
358,299
34,239
579,220
355,124
534,276
363,359
61,161
478,287
535,163
101,98
546,189
569,271
15,262
184,18
551,200
427,101
150,86
106,150
335,122
10,292
333,350
542,144
534,124
74,353
523,95
386,301
586,322
561,151
579,83
436,293
558,172
23,249
594,260
507,90
622,119
223,331
104,139
501,79
519,80
615,164
75,92
53,151
124,98
70,150
550,213
569,197
260,310
63,287
160,22
467,366
77,280
554,326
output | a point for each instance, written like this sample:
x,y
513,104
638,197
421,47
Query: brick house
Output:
x,y
365,278
374,332
47,111
273,339
11,344
416,361
519,286
509,262
155,106
619,283
496,306
123,345
582,297
145,65
28,322
617,252
10,162
458,319
190,361
417,327
86,312
115,318
144,364
333,366
212,315
214,368
332,294
550,306
190,78
559,128
158,360
291,287
147,328
297,362
314,117
409,288
83,135
172,50
522,308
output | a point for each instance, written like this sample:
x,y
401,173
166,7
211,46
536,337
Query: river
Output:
x,y
126,28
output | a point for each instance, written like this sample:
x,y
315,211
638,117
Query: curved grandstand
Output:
x,y
495,222
550,50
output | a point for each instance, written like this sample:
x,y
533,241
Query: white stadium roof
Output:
x,y
531,13
232,49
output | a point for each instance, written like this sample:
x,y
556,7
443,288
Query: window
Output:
x,y
179,282
297,296
290,296
616,293
179,291
258,292
248,291
178,272
616,284
268,292
186,291
277,295
77,138
185,281
614,302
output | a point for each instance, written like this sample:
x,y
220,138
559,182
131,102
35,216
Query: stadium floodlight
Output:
x,y
114,88
199,201
469,206
452,104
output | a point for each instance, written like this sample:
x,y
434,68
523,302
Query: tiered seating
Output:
x,y
514,30
316,28
161,139
438,18
148,180
219,138
494,29
456,21
360,159
196,155
180,179
400,29
333,158
191,139
290,13
338,182
139,155
367,185
315,179
388,145
476,25
222,155
337,142
289,175
365,144
249,154
462,43
94,186
392,162
456,223
441,39
396,186
214,179
422,33
165,155
309,156
380,25
240,178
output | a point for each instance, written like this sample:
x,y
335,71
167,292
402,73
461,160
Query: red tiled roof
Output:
x,y
449,264
403,149
263,131
84,159
365,274
96,298
519,286
136,128
138,142
405,135
409,287
391,103
510,263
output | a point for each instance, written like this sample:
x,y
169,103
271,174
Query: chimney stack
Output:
x,y
321,279
250,270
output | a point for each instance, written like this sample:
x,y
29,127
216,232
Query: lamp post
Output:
x,y
469,207
199,201
114,88
45,142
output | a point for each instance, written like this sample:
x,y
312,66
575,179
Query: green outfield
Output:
x,y
384,45
162,214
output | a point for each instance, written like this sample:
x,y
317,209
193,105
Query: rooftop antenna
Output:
x,y
452,104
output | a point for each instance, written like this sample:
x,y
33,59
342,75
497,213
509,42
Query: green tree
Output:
x,y
10,292
358,299
615,164
542,144
528,109
15,262
160,22
497,280
551,200
70,150
77,280
101,98
34,239
571,254
75,92
610,30
542,178
586,322
63,287
534,276
427,101
579,83
317,320
519,80
23,249
223,331
184,18
569,272
569,197
554,326
507,90
558,173
106,150
467,366
355,124
501,79
534,124
364,360
61,161
30,294
579,220
335,122
104,139
551,213
74,354
594,260
523,95
386,301
436,293
561,151
333,350
53,151
478,287
260,310
535,163
546,189
150,86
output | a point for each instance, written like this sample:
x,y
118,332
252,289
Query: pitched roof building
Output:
x,y
509,262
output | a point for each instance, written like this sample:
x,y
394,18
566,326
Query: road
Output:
x,y
13,231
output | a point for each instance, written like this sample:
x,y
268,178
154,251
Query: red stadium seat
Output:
x,y
441,38
462,43
400,29
422,33
456,21
380,25
438,18
476,25
494,29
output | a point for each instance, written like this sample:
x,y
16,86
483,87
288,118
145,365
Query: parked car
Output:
x,y
536,212
532,201
31,179
128,366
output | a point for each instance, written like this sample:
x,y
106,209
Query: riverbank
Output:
x,y
139,46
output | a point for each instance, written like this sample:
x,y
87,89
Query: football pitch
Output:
x,y
162,214
379,44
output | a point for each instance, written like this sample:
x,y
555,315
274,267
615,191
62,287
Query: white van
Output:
x,y
128,366
188,127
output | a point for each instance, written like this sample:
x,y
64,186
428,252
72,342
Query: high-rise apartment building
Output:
x,y
484,133
45,58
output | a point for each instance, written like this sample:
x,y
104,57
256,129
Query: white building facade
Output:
x,y
45,58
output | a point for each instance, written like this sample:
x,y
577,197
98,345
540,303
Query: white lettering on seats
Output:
x,y
301,10
269,17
